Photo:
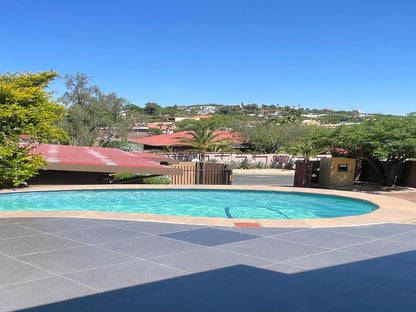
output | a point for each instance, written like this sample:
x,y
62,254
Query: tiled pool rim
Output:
x,y
391,209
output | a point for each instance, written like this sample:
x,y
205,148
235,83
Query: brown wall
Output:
x,y
331,173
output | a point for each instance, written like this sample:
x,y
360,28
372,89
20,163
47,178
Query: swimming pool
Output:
x,y
233,204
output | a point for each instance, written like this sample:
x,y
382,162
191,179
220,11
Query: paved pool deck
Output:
x,y
113,263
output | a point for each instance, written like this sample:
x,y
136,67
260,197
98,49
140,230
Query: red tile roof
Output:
x,y
100,159
171,139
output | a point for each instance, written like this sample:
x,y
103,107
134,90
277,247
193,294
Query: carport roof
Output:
x,y
101,159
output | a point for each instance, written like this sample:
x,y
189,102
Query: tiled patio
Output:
x,y
81,264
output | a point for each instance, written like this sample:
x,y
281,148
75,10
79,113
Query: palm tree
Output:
x,y
203,140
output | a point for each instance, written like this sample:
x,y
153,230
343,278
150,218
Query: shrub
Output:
x,y
246,164
121,177
260,165
139,179
275,165
157,180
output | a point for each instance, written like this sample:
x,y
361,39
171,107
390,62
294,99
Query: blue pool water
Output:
x,y
201,203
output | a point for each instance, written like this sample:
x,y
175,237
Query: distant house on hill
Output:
x,y
180,118
172,140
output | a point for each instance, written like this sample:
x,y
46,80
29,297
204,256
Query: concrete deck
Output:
x,y
111,263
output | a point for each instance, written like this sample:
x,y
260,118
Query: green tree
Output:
x,y
205,140
391,139
215,122
26,109
152,109
270,136
93,117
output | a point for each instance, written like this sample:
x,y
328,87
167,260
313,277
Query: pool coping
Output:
x,y
391,209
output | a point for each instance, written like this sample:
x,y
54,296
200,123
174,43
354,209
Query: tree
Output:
x,y
391,139
216,122
152,109
270,136
93,117
26,109
204,140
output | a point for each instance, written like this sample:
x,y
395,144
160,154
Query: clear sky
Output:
x,y
338,54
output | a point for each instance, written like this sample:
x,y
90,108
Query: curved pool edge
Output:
x,y
391,209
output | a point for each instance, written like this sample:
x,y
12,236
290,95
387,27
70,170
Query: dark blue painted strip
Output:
x,y
227,212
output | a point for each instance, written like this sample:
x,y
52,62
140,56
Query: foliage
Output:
x,y
121,177
152,109
139,178
260,165
204,140
303,148
26,108
157,180
124,145
388,138
270,136
243,164
93,118
215,122
276,165
17,165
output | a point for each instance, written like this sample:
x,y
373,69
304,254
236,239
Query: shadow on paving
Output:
x,y
380,284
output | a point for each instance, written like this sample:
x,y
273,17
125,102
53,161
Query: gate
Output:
x,y
202,173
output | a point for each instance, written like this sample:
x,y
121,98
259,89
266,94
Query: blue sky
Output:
x,y
338,54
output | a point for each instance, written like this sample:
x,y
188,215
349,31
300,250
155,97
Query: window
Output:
x,y
342,168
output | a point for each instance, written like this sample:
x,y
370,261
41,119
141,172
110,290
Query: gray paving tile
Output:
x,y
75,259
15,230
408,237
34,244
262,231
327,259
150,246
207,259
40,292
14,271
100,234
272,249
284,267
124,275
209,236
60,224
23,220
154,227
320,238
375,231
380,248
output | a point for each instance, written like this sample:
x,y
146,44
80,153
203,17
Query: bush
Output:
x,y
124,146
260,165
157,180
121,177
275,165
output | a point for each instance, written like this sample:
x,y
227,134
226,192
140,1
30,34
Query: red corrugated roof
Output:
x,y
94,157
171,139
